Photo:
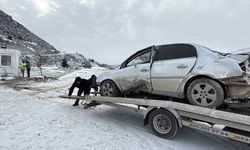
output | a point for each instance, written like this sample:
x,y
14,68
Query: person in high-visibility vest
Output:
x,y
23,67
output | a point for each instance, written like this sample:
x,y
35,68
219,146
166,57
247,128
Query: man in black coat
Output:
x,y
83,85
28,66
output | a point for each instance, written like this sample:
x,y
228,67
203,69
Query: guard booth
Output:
x,y
9,62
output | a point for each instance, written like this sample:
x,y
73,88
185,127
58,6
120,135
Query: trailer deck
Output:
x,y
165,117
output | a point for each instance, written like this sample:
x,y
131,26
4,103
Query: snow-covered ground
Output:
x,y
38,119
52,71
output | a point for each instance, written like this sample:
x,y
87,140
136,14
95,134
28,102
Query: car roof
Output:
x,y
197,46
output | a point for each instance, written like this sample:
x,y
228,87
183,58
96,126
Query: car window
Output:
x,y
176,51
140,59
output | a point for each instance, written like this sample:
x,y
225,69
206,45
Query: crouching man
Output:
x,y
83,85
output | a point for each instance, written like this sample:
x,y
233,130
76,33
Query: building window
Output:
x,y
6,60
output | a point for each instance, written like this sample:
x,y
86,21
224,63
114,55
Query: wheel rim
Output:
x,y
162,124
204,94
107,89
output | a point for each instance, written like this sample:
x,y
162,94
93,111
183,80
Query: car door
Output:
x,y
170,66
135,72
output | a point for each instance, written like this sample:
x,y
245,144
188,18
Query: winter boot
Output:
x,y
76,103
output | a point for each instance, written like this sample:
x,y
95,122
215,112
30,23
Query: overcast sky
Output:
x,y
111,30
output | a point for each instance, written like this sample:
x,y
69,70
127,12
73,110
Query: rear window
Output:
x,y
176,51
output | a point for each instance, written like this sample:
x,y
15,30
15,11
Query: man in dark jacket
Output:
x,y
83,85
28,66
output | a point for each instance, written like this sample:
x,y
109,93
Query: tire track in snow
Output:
x,y
43,90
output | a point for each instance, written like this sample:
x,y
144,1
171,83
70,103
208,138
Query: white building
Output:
x,y
9,62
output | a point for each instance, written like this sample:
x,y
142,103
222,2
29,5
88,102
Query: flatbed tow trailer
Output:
x,y
166,117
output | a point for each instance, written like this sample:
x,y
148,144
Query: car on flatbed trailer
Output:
x,y
203,76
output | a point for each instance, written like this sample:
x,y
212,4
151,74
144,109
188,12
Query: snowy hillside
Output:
x,y
15,36
36,118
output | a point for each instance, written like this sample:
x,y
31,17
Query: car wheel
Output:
x,y
163,123
205,92
108,88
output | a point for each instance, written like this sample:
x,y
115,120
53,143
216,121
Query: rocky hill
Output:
x,y
16,36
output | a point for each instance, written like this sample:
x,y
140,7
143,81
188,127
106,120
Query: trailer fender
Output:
x,y
151,109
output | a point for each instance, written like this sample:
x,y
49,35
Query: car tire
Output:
x,y
163,123
205,92
108,88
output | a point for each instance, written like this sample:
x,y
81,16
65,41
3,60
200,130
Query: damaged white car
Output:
x,y
204,77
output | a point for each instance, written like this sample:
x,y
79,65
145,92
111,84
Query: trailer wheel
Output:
x,y
108,88
163,123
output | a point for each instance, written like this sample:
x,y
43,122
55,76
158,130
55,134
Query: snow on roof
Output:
x,y
7,50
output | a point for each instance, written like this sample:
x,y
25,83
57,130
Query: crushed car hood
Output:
x,y
239,58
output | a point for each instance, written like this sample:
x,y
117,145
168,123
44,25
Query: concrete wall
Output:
x,y
13,69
